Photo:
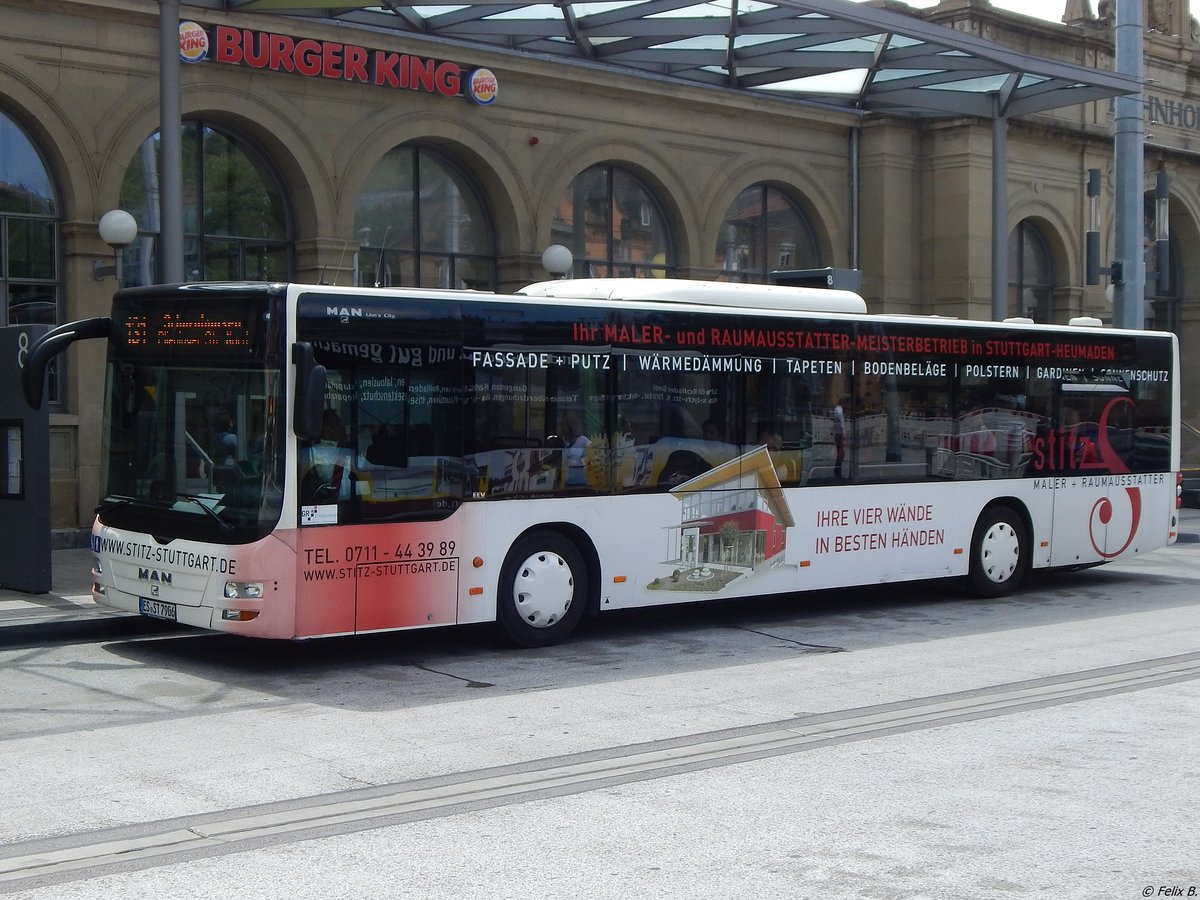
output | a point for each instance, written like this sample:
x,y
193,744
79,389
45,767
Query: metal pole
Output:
x,y
1000,218
855,173
170,152
1128,140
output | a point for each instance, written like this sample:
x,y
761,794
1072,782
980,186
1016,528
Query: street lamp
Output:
x,y
1162,235
557,260
117,229
1092,267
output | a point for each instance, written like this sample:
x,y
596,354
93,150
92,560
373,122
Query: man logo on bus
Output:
x,y
153,575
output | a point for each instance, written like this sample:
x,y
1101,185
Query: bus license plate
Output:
x,y
156,609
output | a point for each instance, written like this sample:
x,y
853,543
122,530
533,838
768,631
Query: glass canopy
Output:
x,y
837,52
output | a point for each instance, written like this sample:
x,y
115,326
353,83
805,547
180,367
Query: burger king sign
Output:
x,y
483,86
193,42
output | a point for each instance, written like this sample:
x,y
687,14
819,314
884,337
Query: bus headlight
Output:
x,y
243,590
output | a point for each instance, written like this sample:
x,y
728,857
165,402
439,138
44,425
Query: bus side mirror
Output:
x,y
49,345
310,393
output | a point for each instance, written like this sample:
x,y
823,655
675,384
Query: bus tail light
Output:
x,y
1179,490
239,615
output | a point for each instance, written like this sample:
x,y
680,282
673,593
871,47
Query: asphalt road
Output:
x,y
892,743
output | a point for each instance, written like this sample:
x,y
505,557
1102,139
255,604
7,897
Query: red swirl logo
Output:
x,y
1102,510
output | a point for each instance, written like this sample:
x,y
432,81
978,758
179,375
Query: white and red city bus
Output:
x,y
292,461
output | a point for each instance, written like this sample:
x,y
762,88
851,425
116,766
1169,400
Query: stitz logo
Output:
x,y
154,575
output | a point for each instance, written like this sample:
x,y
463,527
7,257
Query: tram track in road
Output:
x,y
91,854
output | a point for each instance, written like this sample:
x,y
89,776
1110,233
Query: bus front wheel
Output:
x,y
999,553
543,586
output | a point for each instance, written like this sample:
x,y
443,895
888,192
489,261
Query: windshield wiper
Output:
x,y
226,527
113,501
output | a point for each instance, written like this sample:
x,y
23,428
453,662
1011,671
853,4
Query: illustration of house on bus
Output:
x,y
734,521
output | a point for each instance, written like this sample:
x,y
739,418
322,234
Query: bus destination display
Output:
x,y
185,331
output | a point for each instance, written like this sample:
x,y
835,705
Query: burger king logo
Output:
x,y
482,86
193,42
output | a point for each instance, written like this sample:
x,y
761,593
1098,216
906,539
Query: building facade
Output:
x,y
314,151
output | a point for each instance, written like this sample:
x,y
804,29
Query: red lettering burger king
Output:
x,y
343,62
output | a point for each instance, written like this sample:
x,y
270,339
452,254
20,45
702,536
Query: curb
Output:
x,y
80,631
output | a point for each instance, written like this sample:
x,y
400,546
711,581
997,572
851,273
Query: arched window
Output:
x,y
764,230
614,226
421,222
28,231
235,220
1030,273
29,269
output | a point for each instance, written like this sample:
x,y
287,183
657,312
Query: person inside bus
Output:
x,y
1080,438
625,431
576,444
712,431
225,452
771,437
225,447
387,447
839,436
329,476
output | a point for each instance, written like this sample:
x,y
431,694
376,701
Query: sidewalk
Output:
x,y
68,612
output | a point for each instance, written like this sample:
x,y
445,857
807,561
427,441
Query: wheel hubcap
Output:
x,y
543,589
999,552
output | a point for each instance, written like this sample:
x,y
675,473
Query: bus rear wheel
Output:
x,y
999,553
543,588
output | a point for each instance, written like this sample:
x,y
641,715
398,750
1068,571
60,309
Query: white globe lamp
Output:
x,y
557,260
117,229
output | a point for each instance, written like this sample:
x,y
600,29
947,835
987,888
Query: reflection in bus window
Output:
x,y
536,424
996,417
676,424
899,420
391,442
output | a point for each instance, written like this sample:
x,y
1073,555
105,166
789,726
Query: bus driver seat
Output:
x,y
328,466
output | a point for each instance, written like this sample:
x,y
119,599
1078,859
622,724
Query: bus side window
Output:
x,y
899,427
327,465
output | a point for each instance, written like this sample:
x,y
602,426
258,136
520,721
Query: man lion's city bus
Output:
x,y
292,461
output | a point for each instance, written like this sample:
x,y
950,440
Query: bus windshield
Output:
x,y
193,424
